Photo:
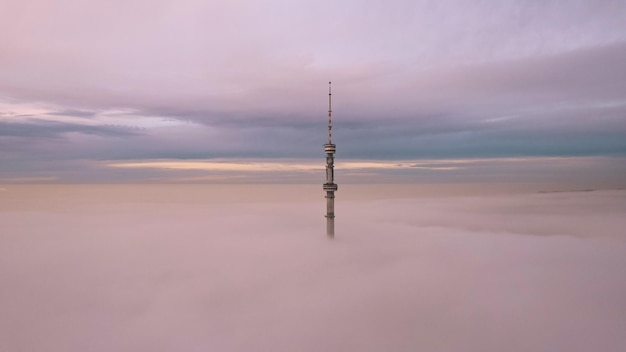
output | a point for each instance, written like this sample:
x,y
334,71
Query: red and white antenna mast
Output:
x,y
330,115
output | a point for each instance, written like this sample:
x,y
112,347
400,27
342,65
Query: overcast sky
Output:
x,y
162,90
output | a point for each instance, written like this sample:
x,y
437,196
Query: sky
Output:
x,y
236,91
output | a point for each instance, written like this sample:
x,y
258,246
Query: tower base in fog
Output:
x,y
330,226
330,189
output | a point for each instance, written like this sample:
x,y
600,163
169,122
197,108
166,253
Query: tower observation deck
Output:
x,y
330,187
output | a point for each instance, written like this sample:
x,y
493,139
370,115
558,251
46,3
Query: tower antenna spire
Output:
x,y
330,115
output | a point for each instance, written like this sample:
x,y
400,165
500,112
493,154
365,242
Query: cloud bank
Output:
x,y
161,268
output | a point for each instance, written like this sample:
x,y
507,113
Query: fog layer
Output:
x,y
249,268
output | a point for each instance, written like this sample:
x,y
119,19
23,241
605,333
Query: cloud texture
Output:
x,y
246,79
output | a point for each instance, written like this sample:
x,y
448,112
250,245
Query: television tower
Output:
x,y
330,187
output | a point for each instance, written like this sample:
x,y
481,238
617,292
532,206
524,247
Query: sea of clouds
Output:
x,y
249,268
